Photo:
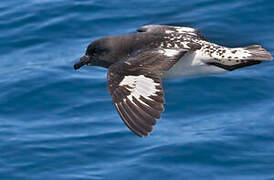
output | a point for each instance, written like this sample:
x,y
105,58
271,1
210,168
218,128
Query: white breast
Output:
x,y
191,65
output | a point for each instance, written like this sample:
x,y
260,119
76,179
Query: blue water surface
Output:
x,y
57,123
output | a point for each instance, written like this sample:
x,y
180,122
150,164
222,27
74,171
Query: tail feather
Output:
x,y
258,53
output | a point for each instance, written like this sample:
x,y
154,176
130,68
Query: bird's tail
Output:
x,y
234,58
256,52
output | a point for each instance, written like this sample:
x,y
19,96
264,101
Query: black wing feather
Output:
x,y
136,88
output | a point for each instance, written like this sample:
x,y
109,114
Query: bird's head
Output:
x,y
98,53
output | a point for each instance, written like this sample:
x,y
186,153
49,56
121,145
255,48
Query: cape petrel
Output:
x,y
137,63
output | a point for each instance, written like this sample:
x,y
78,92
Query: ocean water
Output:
x,y
57,123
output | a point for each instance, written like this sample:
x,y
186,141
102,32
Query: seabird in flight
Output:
x,y
137,63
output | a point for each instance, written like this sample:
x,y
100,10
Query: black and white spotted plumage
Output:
x,y
207,52
187,31
138,62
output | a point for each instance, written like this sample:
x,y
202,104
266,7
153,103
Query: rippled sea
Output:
x,y
57,123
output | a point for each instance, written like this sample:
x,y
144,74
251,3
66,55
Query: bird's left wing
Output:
x,y
136,88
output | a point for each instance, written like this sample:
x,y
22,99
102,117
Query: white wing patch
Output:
x,y
184,29
181,30
169,52
188,30
140,86
169,31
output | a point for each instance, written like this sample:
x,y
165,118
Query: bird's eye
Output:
x,y
95,51
98,51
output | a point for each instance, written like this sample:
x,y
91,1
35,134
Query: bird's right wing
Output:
x,y
135,86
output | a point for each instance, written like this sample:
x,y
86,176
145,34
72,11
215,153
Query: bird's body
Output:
x,y
188,65
137,63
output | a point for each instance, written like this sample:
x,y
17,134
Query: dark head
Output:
x,y
98,53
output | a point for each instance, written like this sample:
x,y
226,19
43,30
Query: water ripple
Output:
x,y
57,123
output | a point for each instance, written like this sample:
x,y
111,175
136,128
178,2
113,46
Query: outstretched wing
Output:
x,y
136,88
171,29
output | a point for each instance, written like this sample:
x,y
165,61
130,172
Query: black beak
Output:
x,y
83,61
